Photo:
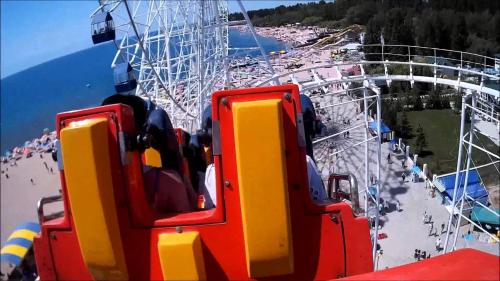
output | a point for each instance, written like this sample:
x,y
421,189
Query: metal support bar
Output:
x,y
482,149
367,162
379,160
337,134
352,146
42,202
459,162
254,34
467,169
346,102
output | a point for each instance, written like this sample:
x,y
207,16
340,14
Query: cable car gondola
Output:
x,y
124,78
103,28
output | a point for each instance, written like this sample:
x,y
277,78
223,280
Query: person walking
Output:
x,y
389,158
6,175
424,217
347,134
403,176
45,164
430,219
51,171
430,229
438,244
442,227
32,182
415,255
397,206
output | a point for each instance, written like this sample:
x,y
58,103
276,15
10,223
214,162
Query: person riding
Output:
x,y
165,187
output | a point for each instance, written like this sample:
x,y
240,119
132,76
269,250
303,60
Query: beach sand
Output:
x,y
19,197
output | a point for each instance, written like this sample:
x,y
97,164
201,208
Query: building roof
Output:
x,y
475,188
482,215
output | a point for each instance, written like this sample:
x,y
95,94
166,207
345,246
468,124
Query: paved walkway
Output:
x,y
405,229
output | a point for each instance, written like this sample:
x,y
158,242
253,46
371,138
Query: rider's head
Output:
x,y
160,135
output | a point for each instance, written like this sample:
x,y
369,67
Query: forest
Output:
x,y
465,25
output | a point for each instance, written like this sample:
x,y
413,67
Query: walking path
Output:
x,y
405,229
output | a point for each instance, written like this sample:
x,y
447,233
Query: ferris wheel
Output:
x,y
171,52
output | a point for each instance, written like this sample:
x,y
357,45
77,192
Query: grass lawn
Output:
x,y
441,128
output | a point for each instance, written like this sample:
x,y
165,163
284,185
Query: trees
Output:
x,y
405,127
389,113
420,142
417,100
435,100
471,25
458,102
459,34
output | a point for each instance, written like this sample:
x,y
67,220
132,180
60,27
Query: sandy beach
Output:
x,y
19,196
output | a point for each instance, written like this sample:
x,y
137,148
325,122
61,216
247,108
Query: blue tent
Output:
x,y
416,169
383,127
475,189
482,215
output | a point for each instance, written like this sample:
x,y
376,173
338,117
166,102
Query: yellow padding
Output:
x,y
14,250
87,169
23,233
181,256
260,156
152,158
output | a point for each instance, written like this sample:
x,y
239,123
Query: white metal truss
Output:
x,y
180,52
469,81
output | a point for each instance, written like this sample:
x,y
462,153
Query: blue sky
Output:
x,y
33,32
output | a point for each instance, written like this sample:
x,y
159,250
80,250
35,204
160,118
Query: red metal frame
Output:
x,y
464,264
328,241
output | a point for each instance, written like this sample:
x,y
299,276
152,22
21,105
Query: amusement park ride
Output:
x,y
264,224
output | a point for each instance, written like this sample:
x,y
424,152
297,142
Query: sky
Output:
x,y
33,32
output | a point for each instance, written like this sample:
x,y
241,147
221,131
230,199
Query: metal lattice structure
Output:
x,y
179,51
467,74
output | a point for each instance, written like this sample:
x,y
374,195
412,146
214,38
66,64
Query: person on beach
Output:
x,y
51,171
32,182
6,175
398,206
45,164
442,227
403,176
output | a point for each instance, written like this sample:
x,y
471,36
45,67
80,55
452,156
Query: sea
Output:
x,y
30,99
